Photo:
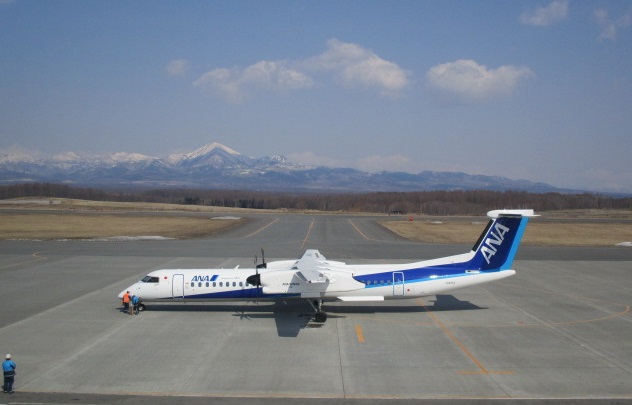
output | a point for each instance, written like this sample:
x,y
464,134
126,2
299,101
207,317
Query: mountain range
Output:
x,y
216,166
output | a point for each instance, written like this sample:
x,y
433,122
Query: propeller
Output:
x,y
255,279
263,264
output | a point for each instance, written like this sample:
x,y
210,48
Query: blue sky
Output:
x,y
537,90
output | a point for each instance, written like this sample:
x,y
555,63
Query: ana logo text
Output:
x,y
490,246
205,278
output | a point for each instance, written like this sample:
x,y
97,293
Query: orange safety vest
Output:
x,y
126,297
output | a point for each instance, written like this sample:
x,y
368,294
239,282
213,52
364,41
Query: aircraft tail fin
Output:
x,y
497,246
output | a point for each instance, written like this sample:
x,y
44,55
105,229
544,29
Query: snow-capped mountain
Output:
x,y
218,166
15,158
214,155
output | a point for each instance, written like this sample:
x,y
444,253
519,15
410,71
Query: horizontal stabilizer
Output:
x,y
511,213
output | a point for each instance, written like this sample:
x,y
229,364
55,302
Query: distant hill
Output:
x,y
216,166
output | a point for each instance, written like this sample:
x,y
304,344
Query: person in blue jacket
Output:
x,y
135,302
8,367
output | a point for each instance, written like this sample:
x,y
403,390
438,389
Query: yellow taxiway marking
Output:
x,y
481,368
359,333
358,230
311,226
262,228
37,256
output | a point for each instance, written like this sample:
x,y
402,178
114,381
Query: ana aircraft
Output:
x,y
316,279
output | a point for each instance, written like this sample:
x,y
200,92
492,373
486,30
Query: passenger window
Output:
x,y
221,284
241,284
207,283
200,284
214,284
234,284
192,284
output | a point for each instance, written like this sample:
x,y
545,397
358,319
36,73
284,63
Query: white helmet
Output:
x,y
8,356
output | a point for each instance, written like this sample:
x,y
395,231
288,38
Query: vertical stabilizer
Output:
x,y
497,246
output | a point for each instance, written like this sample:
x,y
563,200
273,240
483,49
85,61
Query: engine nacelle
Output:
x,y
279,282
294,282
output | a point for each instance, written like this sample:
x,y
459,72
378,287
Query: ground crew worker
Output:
x,y
135,301
8,367
126,299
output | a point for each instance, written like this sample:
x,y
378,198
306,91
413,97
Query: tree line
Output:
x,y
454,202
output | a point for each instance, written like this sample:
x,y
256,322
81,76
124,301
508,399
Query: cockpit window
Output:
x,y
150,279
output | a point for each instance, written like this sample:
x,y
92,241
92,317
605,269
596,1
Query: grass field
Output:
x,y
44,204
566,233
41,225
77,219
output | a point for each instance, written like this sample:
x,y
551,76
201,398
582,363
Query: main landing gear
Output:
x,y
320,316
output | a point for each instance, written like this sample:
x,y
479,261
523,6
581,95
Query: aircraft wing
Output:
x,y
310,267
313,268
310,276
311,255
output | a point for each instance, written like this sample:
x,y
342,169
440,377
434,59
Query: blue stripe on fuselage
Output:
x,y
433,277
248,293
415,275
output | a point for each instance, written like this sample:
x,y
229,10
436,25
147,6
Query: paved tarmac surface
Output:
x,y
558,330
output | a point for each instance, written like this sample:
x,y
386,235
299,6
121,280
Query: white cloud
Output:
x,y
354,65
609,28
312,159
236,85
351,65
177,67
546,16
466,80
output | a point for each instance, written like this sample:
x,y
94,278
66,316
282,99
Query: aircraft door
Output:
x,y
398,283
177,286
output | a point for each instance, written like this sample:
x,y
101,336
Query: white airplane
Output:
x,y
316,279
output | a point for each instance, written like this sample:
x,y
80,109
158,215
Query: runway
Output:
x,y
558,330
